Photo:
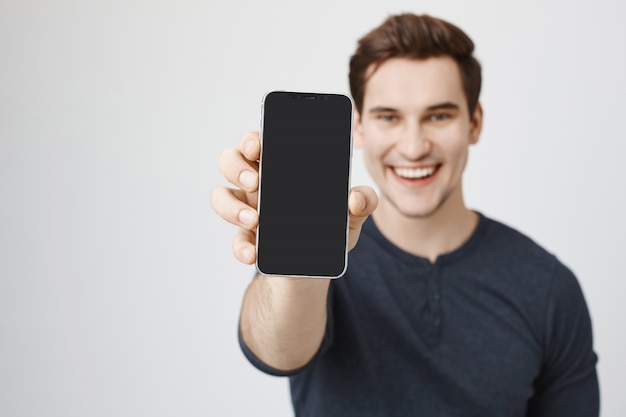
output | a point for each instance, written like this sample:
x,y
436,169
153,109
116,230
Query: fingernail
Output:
x,y
248,179
247,217
246,254
248,147
361,198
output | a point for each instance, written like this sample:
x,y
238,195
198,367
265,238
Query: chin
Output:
x,y
419,214
416,210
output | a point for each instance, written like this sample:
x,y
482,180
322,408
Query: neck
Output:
x,y
441,232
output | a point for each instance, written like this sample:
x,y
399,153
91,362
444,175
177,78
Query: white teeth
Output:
x,y
414,173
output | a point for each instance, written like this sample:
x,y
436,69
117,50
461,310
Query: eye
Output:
x,y
437,117
387,117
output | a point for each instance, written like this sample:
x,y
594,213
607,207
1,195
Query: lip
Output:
x,y
415,182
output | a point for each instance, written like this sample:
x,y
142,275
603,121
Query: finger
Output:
x,y
363,201
231,206
244,247
239,171
250,146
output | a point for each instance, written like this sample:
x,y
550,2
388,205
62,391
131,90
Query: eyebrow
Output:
x,y
448,105
382,109
443,106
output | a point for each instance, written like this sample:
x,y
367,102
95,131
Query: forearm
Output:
x,y
283,320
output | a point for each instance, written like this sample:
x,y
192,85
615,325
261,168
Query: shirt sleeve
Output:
x,y
568,384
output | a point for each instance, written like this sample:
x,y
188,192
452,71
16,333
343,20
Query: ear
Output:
x,y
476,124
357,130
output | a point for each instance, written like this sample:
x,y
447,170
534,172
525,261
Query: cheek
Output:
x,y
371,155
455,142
374,149
374,141
458,156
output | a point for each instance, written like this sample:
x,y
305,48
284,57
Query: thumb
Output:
x,y
362,202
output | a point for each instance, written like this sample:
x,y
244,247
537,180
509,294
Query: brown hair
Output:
x,y
419,37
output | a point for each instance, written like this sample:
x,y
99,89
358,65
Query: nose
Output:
x,y
414,143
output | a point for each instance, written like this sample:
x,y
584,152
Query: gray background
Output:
x,y
119,295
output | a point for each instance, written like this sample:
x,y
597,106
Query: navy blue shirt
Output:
x,y
498,327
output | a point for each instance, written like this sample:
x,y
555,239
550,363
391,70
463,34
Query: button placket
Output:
x,y
435,296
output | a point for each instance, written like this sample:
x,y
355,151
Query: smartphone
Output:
x,y
304,183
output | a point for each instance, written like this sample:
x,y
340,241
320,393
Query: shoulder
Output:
x,y
510,260
509,268
510,248
502,237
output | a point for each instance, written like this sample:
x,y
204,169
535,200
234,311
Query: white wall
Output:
x,y
118,292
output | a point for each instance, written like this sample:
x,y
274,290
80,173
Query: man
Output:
x,y
442,312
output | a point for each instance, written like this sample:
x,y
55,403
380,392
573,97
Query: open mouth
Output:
x,y
416,173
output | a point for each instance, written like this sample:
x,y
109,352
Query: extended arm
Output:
x,y
283,319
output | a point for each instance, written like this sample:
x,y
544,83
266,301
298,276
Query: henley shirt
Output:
x,y
498,327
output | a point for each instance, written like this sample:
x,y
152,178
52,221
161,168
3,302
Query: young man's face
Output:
x,y
415,131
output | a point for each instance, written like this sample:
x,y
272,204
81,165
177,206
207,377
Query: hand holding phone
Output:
x,y
238,205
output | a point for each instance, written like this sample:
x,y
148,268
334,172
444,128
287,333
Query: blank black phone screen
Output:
x,y
304,184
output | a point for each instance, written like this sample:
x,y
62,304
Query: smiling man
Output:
x,y
414,125
443,311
